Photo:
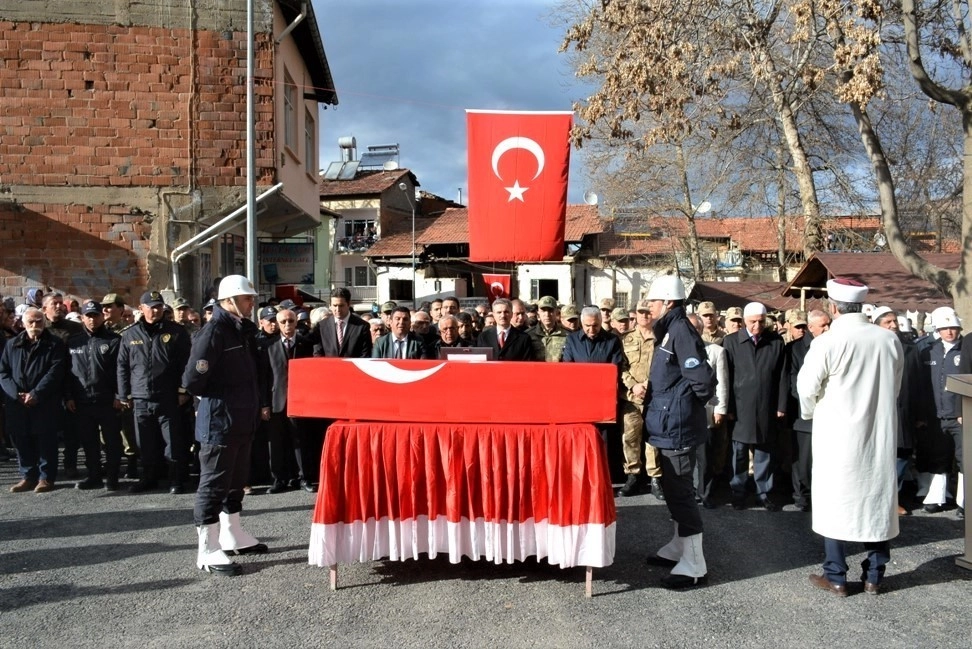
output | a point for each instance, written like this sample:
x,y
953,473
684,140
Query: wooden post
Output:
x,y
332,572
589,583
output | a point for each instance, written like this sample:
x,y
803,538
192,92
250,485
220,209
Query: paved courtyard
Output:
x,y
82,569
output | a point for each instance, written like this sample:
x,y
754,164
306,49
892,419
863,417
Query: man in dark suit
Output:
x,y
344,335
289,448
400,342
508,344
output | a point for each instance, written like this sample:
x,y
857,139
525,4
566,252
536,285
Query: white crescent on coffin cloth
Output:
x,y
388,373
509,144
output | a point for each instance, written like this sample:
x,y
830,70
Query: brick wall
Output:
x,y
120,115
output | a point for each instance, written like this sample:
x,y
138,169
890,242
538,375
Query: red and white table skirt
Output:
x,y
499,492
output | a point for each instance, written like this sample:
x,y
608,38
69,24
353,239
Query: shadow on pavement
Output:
x,y
84,555
20,597
96,523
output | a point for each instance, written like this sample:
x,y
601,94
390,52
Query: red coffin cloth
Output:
x,y
456,391
407,489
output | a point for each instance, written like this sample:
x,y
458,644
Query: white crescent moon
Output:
x,y
388,373
500,289
524,143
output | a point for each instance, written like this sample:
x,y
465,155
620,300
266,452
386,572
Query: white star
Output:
x,y
516,191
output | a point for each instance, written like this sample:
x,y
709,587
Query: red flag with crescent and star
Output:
x,y
497,286
518,167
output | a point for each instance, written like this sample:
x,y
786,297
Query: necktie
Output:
x,y
398,349
287,345
755,340
340,332
502,339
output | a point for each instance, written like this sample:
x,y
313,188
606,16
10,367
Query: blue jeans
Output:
x,y
872,568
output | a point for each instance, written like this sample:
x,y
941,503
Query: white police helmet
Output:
x,y
944,317
234,286
666,287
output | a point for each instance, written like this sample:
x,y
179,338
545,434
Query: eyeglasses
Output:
x,y
606,310
286,321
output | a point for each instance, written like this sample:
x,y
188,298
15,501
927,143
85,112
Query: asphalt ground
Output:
x,y
93,569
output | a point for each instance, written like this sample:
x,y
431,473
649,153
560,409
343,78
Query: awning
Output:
x,y
277,216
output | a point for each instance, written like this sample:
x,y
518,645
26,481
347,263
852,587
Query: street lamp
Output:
x,y
411,202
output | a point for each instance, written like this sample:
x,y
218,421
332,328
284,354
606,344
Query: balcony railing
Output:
x,y
353,245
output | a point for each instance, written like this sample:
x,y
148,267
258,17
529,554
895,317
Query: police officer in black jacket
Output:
x,y
92,396
682,382
151,358
224,372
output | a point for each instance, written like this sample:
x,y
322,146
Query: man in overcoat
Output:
x,y
757,402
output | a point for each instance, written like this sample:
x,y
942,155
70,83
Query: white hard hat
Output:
x,y
944,317
234,285
666,287
879,312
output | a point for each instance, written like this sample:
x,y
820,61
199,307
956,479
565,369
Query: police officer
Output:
x,y
151,358
681,384
91,396
223,373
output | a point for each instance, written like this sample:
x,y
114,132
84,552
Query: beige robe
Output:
x,y
848,386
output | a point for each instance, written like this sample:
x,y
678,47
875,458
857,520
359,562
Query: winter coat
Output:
x,y
681,381
39,369
224,371
151,358
758,386
93,374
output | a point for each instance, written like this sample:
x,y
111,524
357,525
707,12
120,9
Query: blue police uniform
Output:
x,y
223,372
681,383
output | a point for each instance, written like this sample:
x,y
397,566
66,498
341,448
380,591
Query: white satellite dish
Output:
x,y
704,208
391,165
590,198
880,240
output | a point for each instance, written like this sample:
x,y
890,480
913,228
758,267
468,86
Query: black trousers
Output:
x,y
72,438
289,448
677,468
97,422
160,435
953,429
802,465
223,472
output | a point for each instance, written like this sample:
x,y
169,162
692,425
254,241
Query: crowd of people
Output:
x,y
127,385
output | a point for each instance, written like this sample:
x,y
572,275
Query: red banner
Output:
x,y
452,391
497,286
518,167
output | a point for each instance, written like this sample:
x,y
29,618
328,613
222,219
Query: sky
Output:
x,y
406,71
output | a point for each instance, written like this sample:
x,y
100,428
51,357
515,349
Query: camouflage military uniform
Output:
x,y
639,351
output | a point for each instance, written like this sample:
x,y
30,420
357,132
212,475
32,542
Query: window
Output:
x,y
542,287
620,300
290,112
360,276
310,150
359,227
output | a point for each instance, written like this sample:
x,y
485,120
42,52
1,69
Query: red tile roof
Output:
x,y
364,183
729,294
452,227
664,235
889,283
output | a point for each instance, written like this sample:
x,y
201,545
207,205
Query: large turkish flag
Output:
x,y
518,165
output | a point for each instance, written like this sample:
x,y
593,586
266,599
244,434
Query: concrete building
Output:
x,y
123,136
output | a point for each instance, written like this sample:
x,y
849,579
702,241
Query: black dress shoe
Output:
x,y
681,582
89,483
656,489
279,486
960,513
655,560
259,548
933,509
111,484
768,504
177,488
821,582
708,504
739,503
630,487
308,487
